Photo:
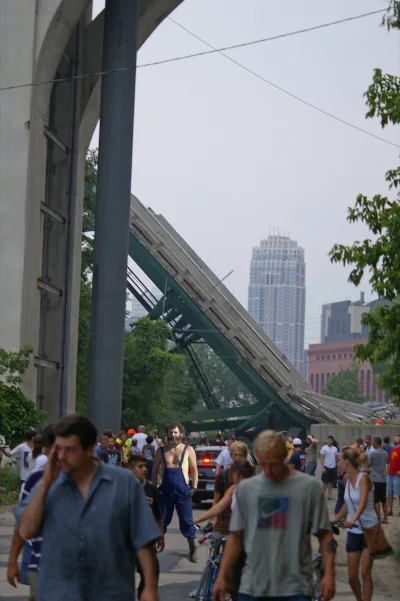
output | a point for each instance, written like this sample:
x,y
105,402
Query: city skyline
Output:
x,y
277,294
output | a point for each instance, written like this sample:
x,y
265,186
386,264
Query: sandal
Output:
x,y
385,521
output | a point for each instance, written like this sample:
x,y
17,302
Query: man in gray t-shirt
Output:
x,y
274,514
378,459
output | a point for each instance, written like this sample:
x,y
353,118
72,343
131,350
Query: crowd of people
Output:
x,y
78,498
366,474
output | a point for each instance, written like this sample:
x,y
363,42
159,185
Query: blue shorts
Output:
x,y
244,597
393,486
355,543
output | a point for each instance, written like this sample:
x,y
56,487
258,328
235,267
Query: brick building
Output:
x,y
326,360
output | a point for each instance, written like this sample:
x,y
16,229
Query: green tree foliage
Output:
x,y
378,256
228,389
345,385
156,386
85,301
18,414
89,211
82,368
14,364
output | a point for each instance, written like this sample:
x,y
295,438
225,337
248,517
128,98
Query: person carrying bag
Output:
x,y
375,537
366,540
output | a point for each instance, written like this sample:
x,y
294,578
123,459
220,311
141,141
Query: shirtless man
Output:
x,y
176,459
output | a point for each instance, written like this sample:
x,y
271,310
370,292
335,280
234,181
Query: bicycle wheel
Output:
x,y
215,567
202,587
200,593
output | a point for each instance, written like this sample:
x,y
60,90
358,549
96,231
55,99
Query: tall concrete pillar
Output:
x,y
112,213
16,67
37,190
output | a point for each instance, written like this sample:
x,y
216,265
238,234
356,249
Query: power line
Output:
x,y
62,79
258,41
195,54
274,85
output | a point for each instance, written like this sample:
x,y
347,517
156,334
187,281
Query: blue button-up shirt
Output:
x,y
88,549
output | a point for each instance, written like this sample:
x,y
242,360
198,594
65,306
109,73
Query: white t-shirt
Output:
x,y
156,444
224,459
36,464
21,452
141,440
329,454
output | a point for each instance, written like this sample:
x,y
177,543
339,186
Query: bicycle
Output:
x,y
318,567
217,541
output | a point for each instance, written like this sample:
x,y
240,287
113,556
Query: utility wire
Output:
x,y
259,41
196,54
274,85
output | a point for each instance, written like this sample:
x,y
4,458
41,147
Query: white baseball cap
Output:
x,y
297,442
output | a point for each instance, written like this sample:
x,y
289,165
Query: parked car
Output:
x,y
206,465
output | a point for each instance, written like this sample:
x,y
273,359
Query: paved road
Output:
x,y
178,575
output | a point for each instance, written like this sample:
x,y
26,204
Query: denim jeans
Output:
x,y
243,597
340,495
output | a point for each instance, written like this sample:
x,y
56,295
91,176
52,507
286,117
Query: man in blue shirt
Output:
x,y
94,519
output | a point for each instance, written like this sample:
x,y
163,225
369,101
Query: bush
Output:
x,y
9,486
18,414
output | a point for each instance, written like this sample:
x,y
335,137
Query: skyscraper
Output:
x,y
277,294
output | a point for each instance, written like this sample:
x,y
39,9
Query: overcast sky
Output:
x,y
226,157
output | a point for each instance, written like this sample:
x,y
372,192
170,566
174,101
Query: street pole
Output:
x,y
112,213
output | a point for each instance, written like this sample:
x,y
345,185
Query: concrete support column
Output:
x,y
16,65
112,213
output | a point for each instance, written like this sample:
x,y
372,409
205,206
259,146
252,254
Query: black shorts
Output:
x,y
379,492
329,475
355,543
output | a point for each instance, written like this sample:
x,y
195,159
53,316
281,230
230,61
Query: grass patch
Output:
x,y
9,486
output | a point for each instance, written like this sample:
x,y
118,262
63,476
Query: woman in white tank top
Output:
x,y
360,511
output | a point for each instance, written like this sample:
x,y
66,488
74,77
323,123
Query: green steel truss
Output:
x,y
190,324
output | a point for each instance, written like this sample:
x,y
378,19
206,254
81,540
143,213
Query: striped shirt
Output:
x,y
36,543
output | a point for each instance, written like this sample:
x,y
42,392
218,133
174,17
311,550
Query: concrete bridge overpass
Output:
x,y
45,131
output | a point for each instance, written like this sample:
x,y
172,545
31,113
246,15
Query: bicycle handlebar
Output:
x,y
205,529
335,527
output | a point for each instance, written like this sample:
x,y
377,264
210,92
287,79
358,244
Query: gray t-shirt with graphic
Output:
x,y
378,459
276,519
